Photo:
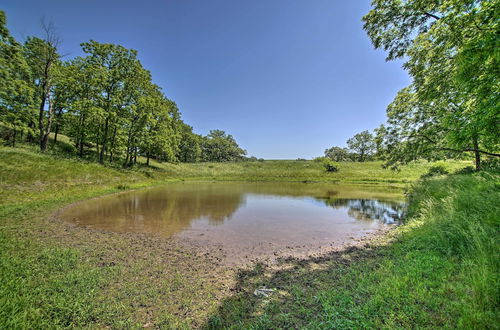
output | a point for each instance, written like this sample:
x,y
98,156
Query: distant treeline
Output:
x,y
104,101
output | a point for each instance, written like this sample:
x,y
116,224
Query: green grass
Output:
x,y
291,170
24,172
441,270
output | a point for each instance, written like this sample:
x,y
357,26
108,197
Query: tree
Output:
x,y
43,60
451,52
104,101
218,146
338,154
116,68
80,80
190,145
16,94
161,134
362,144
379,136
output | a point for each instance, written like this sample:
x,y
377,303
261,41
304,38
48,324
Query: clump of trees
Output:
x,y
452,105
218,146
105,101
361,147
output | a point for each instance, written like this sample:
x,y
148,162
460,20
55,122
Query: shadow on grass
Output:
x,y
298,299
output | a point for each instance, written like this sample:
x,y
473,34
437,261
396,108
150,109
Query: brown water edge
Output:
x,y
156,276
241,223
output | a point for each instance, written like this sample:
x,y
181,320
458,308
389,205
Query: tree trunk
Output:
x,y
477,155
46,132
82,134
112,145
104,140
55,134
147,159
41,112
58,115
14,138
29,135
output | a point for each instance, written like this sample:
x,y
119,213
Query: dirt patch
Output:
x,y
180,278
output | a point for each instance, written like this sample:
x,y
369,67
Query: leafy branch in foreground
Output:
x,y
451,52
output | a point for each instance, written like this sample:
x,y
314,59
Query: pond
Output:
x,y
246,219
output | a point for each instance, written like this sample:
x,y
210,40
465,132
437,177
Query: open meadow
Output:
x,y
58,274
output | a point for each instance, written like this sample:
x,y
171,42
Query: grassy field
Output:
x,y
436,271
25,172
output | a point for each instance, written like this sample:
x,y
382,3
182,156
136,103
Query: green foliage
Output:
x,y
104,101
190,145
450,48
492,164
363,145
218,146
466,170
338,154
435,170
44,61
330,166
16,92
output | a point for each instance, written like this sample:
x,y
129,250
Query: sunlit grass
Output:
x,y
441,271
419,281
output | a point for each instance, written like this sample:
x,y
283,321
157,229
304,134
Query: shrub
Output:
x,y
466,170
434,171
65,148
492,164
330,166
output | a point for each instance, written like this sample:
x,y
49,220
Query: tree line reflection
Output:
x,y
172,209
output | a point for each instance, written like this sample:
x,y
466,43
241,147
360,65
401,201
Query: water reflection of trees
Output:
x,y
172,209
370,209
159,210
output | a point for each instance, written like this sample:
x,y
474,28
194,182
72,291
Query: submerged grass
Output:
x,y
441,269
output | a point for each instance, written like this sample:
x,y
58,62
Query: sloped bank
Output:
x,y
438,270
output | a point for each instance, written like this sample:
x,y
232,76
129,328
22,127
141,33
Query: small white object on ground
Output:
x,y
263,292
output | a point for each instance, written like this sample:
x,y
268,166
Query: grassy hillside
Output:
x,y
26,174
57,275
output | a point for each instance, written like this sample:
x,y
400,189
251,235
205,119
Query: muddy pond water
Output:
x,y
246,220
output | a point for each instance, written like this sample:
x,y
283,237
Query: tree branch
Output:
x,y
456,150
432,15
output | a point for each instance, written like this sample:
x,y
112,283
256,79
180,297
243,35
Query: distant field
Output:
x,y
292,170
25,174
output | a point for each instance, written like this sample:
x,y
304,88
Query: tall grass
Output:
x,y
460,219
441,271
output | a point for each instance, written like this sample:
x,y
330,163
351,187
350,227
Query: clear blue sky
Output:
x,y
287,78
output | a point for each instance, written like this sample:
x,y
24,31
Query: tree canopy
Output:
x,y
218,146
451,51
104,101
